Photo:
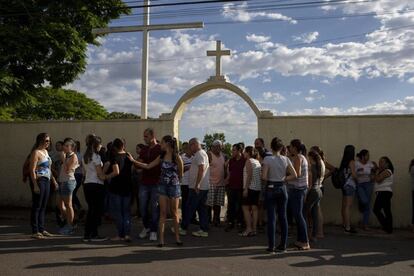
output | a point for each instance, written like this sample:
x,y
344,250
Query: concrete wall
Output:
x,y
392,136
382,135
17,139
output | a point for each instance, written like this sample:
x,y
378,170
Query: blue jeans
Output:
x,y
364,191
196,202
296,200
148,195
276,199
120,207
39,203
75,200
313,199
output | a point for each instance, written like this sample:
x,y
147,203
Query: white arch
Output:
x,y
202,88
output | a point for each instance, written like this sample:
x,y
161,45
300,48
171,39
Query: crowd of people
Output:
x,y
284,184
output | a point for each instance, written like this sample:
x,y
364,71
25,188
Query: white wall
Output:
x,y
392,136
18,138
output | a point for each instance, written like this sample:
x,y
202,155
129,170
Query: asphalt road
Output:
x,y
220,254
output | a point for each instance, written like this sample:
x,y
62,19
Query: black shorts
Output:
x,y
252,198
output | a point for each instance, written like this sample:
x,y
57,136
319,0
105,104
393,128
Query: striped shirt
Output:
x,y
256,183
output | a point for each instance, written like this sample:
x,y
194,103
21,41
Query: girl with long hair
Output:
x,y
172,170
40,177
349,189
93,188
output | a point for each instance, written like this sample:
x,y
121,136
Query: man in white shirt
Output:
x,y
198,183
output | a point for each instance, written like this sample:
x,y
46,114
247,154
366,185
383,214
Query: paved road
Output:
x,y
221,254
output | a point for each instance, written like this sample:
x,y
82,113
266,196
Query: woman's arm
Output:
x,y
180,165
380,176
297,166
291,172
265,172
249,171
32,166
149,166
115,172
353,170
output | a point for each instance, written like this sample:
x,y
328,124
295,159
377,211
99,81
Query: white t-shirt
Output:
x,y
363,171
186,162
386,184
277,165
200,158
90,169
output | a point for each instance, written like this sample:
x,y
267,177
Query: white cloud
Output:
x,y
273,97
257,38
307,37
404,106
241,13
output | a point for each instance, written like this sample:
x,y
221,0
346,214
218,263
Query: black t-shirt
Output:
x,y
122,183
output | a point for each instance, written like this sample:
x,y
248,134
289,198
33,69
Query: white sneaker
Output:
x,y
153,236
144,233
201,234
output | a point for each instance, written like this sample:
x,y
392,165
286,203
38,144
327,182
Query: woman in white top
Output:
x,y
93,188
384,179
252,186
67,184
277,169
365,170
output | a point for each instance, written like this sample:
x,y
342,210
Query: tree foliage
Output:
x,y
210,138
44,42
54,104
122,116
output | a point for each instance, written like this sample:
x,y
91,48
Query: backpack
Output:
x,y
338,178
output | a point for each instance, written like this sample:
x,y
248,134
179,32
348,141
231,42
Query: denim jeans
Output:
x,y
313,199
95,198
196,202
121,211
184,198
39,203
276,199
364,192
296,200
148,197
234,209
75,200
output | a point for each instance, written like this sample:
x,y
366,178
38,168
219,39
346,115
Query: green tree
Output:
x,y
44,42
54,104
210,138
122,115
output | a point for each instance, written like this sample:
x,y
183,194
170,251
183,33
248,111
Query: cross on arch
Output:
x,y
218,53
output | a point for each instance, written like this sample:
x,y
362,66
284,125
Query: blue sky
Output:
x,y
353,58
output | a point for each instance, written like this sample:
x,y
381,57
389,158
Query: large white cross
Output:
x,y
145,29
218,53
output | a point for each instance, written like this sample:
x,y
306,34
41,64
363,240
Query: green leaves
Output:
x,y
44,42
55,104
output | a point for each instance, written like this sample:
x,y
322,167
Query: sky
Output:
x,y
350,58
